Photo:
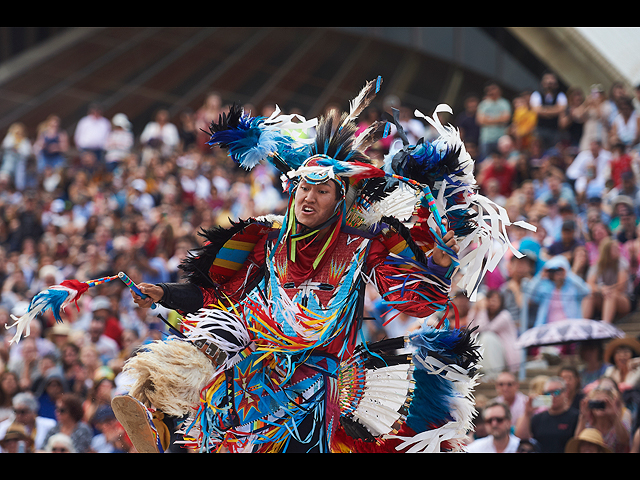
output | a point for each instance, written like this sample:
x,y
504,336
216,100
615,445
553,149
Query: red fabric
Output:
x,y
80,287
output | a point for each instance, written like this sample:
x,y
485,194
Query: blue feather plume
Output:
x,y
250,141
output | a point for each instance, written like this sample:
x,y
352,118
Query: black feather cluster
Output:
x,y
228,121
336,139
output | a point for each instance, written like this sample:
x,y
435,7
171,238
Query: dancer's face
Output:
x,y
315,203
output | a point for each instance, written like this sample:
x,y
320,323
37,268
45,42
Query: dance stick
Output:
x,y
134,288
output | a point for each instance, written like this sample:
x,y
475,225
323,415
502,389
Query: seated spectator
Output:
x,y
598,231
571,378
593,366
16,440
497,419
619,164
59,443
69,415
26,407
557,291
556,189
623,357
497,168
588,441
568,241
609,283
603,410
509,393
497,333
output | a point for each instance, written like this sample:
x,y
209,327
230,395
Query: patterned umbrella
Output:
x,y
568,331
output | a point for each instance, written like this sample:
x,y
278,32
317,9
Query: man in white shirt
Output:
x,y
92,132
497,418
589,170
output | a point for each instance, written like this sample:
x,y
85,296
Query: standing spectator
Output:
x,y
523,122
597,111
208,112
572,119
509,393
466,121
119,143
52,145
494,115
589,170
92,132
609,284
160,137
16,151
625,127
548,103
69,415
497,419
553,427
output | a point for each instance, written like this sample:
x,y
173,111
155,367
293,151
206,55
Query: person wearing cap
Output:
x,y
568,240
588,441
111,437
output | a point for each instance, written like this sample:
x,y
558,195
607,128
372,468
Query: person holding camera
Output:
x,y
602,409
553,427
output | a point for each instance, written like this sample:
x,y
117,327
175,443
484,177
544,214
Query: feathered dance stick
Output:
x,y
56,299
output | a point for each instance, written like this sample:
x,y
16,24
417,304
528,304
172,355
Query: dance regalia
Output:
x,y
270,357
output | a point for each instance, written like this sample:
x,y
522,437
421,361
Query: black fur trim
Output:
x,y
197,263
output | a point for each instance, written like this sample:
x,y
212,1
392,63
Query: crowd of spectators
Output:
x,y
102,198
